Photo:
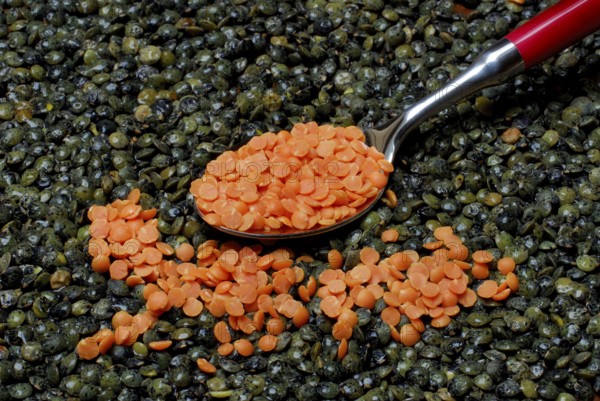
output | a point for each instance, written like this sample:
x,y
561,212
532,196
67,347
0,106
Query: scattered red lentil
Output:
x,y
390,235
506,265
512,281
121,318
160,345
512,135
482,257
480,271
243,347
342,349
487,289
88,348
418,287
267,343
225,349
335,259
206,366
249,290
390,199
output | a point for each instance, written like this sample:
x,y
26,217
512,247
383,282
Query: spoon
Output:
x,y
551,31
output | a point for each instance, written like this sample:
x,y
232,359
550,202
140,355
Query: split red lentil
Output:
x,y
310,177
416,286
249,290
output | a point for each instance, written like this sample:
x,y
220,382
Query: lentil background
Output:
x,y
98,97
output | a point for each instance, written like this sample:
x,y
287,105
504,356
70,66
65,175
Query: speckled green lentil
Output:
x,y
587,263
100,97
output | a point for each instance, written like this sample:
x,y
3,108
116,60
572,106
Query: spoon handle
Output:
x,y
554,29
546,34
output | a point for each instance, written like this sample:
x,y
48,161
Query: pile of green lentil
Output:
x,y
100,96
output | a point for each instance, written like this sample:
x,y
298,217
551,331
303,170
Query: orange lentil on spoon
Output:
x,y
310,177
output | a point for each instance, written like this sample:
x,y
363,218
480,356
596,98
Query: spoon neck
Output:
x,y
492,67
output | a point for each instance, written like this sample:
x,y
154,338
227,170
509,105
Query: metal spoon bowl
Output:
x,y
533,42
291,233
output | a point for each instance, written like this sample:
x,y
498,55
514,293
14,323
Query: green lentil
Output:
x,y
101,97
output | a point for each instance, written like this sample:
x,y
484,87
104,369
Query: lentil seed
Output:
x,y
82,127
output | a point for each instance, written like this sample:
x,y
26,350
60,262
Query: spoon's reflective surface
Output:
x,y
544,35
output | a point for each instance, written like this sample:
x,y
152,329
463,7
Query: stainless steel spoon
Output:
x,y
549,32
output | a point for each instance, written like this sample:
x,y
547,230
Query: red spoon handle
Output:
x,y
556,28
